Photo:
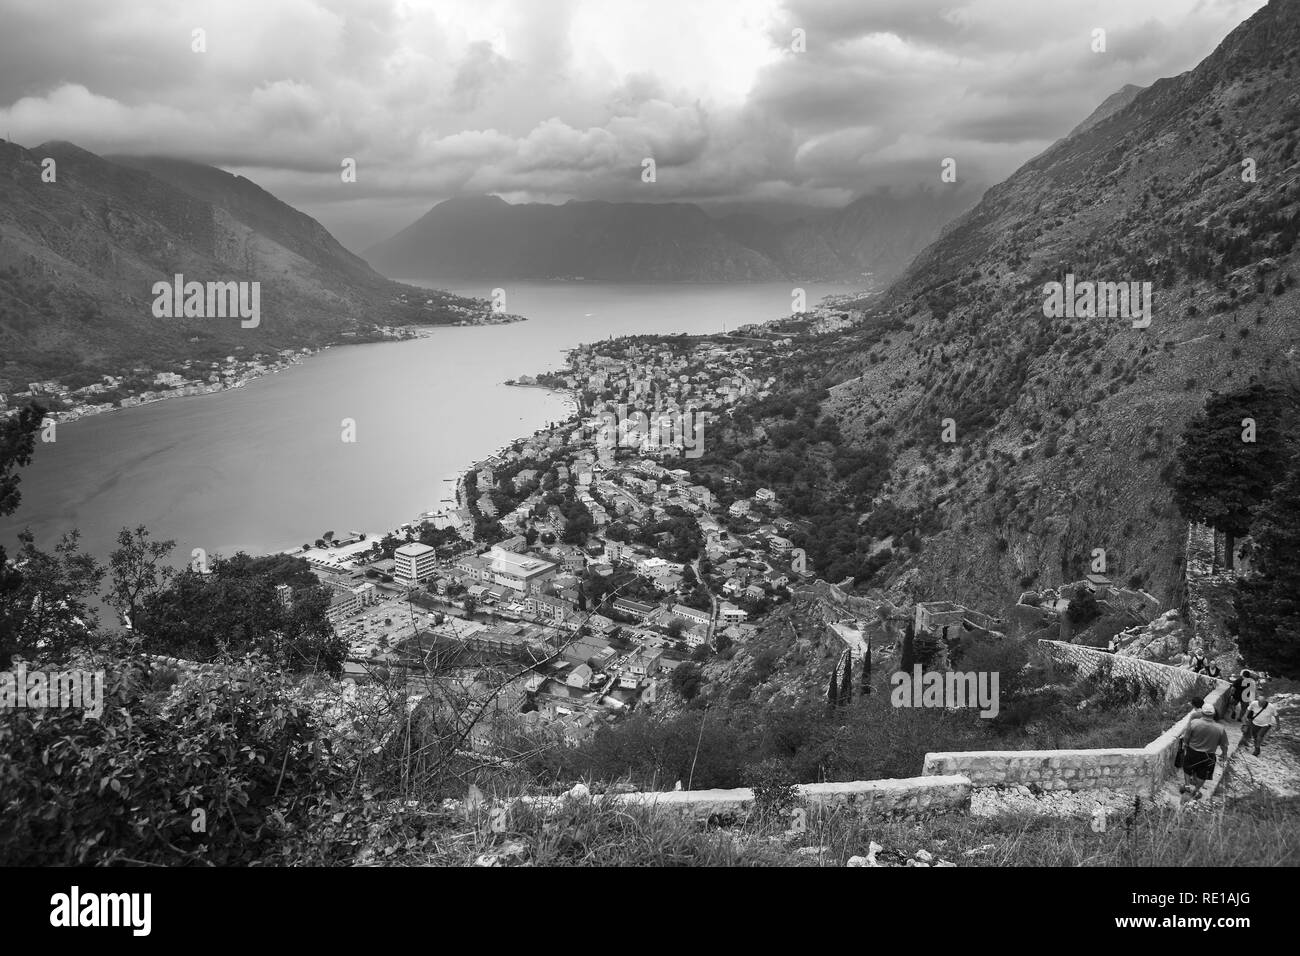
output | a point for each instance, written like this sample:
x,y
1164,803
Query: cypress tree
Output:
x,y
865,687
846,679
1222,479
1268,605
908,660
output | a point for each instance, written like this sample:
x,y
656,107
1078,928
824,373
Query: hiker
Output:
x,y
1236,688
1213,671
1261,717
1197,704
1199,740
1113,646
1198,663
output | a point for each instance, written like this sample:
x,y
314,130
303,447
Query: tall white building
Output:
x,y
415,563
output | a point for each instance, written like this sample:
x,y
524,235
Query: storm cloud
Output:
x,y
549,100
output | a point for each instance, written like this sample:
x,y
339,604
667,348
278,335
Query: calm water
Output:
x,y
263,467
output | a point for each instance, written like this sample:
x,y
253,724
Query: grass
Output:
x,y
1247,833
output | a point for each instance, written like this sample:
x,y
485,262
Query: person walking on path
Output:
x,y
1237,694
1202,737
1261,717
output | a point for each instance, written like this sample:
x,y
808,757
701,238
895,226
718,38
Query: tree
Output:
x,y
865,687
1083,608
846,679
908,658
1268,606
236,610
675,628
833,693
48,613
135,570
1223,478
17,442
687,680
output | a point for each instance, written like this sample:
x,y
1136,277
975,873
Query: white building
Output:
x,y
415,562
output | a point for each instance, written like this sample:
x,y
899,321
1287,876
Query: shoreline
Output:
x,y
300,355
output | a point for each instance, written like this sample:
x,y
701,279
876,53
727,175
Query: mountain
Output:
x,y
486,237
79,257
1109,106
1066,428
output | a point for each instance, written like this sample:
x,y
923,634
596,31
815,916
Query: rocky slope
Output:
x,y
79,256
1066,427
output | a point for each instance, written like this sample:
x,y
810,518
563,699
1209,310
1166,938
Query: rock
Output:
x,y
924,855
580,791
945,863
916,863
502,855
859,861
810,851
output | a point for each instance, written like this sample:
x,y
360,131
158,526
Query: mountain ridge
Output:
x,y
484,236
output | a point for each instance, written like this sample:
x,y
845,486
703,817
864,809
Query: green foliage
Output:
x,y
776,790
46,609
1268,605
235,610
1222,479
688,680
124,788
1083,608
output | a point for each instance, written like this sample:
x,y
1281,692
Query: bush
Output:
x,y
776,791
220,771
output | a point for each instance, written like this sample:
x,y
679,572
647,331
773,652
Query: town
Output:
x,y
580,568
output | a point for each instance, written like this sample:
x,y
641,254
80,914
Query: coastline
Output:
x,y
297,357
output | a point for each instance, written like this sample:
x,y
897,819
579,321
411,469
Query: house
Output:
x,y
580,676
549,608
694,615
645,663
779,545
765,494
732,614
635,609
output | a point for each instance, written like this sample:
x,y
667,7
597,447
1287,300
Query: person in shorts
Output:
x,y
1202,737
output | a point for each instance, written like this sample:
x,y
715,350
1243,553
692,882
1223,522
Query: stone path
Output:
x,y
1276,771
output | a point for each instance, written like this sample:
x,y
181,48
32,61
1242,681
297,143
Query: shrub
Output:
x,y
218,772
776,791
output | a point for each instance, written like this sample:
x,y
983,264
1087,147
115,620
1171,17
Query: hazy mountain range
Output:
x,y
487,237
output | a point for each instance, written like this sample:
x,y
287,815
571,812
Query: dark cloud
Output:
x,y
556,99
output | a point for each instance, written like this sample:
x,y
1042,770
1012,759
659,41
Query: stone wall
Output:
x,y
1126,770
912,797
1172,681
1137,770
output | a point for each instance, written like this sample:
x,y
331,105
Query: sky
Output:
x,y
795,101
